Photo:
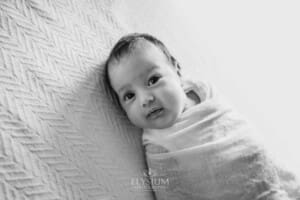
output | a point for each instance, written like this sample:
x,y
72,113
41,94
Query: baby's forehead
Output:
x,y
141,43
144,53
141,46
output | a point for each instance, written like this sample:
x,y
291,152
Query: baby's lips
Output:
x,y
152,111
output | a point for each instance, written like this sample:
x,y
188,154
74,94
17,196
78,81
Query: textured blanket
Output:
x,y
60,136
210,154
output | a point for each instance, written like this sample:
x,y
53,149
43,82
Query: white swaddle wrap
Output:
x,y
208,154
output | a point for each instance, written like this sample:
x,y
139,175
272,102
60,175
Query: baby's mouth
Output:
x,y
155,113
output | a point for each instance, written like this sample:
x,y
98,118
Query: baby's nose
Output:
x,y
148,100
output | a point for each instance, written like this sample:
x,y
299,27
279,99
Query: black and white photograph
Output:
x,y
149,100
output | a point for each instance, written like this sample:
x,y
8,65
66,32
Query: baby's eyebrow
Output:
x,y
123,88
152,68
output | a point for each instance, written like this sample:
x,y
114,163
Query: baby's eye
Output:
x,y
128,96
153,80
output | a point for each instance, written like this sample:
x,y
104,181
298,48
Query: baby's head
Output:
x,y
146,80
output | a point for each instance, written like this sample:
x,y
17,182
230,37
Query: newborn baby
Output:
x,y
194,141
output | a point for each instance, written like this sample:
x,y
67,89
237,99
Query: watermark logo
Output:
x,y
150,180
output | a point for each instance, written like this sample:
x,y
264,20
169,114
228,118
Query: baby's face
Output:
x,y
148,87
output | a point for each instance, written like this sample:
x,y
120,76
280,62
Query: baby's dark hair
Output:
x,y
126,45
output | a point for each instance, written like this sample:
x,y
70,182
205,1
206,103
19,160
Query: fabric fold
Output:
x,y
210,154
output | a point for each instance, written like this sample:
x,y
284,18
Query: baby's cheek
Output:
x,y
134,117
130,114
174,95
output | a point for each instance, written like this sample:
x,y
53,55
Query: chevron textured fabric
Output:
x,y
60,137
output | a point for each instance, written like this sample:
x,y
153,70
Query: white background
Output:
x,y
249,49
